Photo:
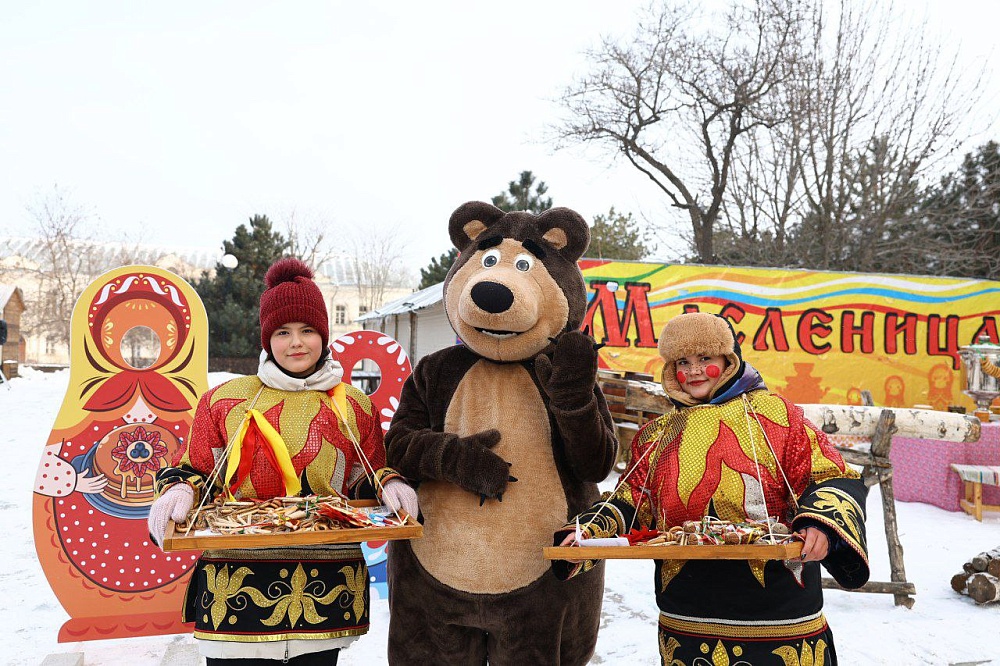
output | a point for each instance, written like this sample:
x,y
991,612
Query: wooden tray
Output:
x,y
784,551
176,540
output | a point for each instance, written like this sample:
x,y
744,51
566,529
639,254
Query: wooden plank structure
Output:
x,y
973,477
634,399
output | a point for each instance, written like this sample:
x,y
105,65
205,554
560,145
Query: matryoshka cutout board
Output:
x,y
138,364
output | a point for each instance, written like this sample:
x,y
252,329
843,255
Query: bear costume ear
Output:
x,y
470,220
566,231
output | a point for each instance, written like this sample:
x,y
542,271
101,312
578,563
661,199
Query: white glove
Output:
x,y
397,494
174,504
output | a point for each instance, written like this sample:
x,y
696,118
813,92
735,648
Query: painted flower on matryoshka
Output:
x,y
138,453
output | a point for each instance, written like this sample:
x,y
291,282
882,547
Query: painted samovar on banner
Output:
x,y
981,374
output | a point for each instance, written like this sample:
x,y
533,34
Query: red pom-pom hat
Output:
x,y
290,296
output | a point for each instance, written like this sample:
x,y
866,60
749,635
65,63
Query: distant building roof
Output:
x,y
338,269
418,300
6,291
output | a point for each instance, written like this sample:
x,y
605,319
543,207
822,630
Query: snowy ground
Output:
x,y
942,628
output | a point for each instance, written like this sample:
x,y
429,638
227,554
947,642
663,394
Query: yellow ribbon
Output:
x,y
339,395
277,444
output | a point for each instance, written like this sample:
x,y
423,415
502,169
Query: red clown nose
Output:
x,y
681,377
712,371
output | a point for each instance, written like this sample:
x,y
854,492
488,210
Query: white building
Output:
x,y
21,258
417,321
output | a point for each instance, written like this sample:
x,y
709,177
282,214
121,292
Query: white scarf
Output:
x,y
327,375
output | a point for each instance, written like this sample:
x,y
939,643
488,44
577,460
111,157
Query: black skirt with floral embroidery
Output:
x,y
270,594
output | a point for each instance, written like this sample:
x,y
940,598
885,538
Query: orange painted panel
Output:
x,y
138,363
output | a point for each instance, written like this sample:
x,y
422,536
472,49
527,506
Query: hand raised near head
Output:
x,y
569,376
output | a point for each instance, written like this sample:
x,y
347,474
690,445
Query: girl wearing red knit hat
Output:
x,y
298,605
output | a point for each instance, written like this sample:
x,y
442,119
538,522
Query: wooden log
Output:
x,y
993,568
864,458
876,586
982,560
644,397
984,588
881,444
923,423
649,396
958,582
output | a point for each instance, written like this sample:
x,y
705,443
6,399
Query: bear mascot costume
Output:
x,y
507,435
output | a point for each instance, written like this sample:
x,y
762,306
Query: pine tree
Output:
x,y
520,197
232,296
438,269
964,214
617,236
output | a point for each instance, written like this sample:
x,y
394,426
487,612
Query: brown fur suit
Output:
x,y
507,435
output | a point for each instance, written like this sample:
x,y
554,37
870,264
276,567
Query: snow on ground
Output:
x,y
942,628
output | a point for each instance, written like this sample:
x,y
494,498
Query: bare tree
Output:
x,y
308,238
130,250
791,132
62,267
681,98
377,260
876,104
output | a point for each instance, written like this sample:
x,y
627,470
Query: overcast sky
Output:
x,y
185,118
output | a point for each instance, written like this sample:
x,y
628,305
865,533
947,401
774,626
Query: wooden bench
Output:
x,y
974,476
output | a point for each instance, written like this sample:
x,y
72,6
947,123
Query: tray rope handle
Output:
x,y
220,463
748,410
366,465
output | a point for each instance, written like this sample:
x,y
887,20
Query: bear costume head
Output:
x,y
516,284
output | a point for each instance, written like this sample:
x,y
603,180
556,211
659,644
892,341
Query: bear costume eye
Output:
x,y
491,258
524,262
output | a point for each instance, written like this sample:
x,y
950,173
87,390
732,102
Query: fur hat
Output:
x,y
291,295
697,333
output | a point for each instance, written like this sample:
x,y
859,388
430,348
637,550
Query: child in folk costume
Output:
x,y
735,451
292,429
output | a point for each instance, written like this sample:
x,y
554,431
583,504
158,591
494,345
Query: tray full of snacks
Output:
x,y
706,539
289,521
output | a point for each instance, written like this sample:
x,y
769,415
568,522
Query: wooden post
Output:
x,y
881,443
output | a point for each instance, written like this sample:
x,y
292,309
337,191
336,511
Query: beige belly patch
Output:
x,y
495,548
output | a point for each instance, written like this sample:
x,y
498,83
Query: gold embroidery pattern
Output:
x,y
789,631
224,590
839,510
667,649
669,569
720,656
599,525
757,568
808,656
298,597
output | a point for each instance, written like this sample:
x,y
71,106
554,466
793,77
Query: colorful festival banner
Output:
x,y
816,337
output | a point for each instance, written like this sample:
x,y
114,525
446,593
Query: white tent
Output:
x,y
417,321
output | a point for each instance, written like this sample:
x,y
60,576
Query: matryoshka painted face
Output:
x,y
698,374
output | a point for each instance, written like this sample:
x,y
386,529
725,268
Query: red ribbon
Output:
x,y
253,443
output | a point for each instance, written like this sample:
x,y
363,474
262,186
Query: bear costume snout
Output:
x,y
492,297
